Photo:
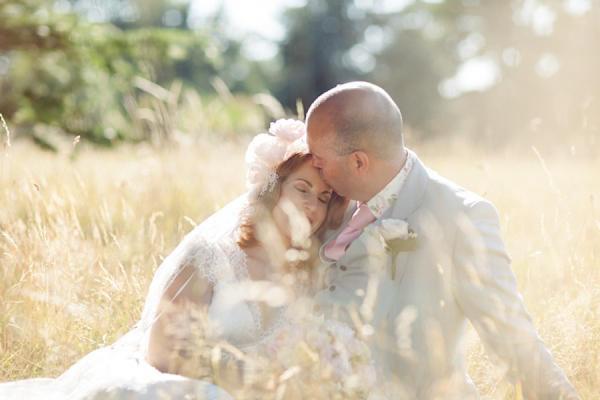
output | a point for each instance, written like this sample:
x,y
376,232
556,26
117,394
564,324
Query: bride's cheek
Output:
x,y
322,215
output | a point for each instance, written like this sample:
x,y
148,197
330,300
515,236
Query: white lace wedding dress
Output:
x,y
120,371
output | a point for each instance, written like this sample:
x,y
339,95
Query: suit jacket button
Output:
x,y
343,267
332,288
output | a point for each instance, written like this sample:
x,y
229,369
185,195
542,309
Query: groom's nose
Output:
x,y
316,162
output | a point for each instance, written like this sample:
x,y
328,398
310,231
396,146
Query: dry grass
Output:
x,y
80,240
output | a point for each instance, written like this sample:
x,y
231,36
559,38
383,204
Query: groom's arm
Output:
x,y
486,289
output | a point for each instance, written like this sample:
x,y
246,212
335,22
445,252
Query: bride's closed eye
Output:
x,y
325,198
306,186
301,188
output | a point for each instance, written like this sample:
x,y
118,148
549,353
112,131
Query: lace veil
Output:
x,y
203,247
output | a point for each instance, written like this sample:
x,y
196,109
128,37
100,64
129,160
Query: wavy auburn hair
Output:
x,y
262,206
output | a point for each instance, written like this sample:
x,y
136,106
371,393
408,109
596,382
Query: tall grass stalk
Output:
x,y
6,130
6,147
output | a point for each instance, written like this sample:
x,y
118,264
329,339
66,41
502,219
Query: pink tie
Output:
x,y
361,218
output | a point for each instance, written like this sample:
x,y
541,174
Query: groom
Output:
x,y
451,268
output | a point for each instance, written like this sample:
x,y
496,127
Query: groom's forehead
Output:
x,y
323,146
320,124
322,136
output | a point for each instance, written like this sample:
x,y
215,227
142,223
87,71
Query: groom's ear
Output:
x,y
359,161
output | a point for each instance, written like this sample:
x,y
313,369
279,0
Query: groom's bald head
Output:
x,y
362,116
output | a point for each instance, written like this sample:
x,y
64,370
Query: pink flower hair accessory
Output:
x,y
267,150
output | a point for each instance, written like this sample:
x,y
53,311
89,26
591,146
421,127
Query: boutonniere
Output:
x,y
397,237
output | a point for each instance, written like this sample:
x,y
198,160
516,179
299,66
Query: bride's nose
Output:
x,y
310,204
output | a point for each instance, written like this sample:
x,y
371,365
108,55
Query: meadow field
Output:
x,y
82,232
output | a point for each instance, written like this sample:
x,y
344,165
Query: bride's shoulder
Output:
x,y
211,246
212,257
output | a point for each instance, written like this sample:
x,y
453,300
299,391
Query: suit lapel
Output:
x,y
409,200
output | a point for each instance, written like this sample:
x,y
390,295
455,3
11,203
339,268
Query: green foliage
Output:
x,y
58,70
30,25
83,78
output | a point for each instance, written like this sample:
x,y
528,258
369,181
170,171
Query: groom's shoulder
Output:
x,y
447,192
441,190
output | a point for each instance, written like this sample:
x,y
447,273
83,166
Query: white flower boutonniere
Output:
x,y
398,237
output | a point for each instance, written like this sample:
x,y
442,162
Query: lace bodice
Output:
x,y
234,315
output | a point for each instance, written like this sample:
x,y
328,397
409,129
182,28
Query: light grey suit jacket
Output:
x,y
458,272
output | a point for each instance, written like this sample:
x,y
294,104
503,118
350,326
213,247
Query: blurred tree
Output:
x,y
493,70
410,43
59,70
503,70
28,24
30,28
316,53
401,47
130,14
542,66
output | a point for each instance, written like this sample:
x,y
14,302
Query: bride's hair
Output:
x,y
261,206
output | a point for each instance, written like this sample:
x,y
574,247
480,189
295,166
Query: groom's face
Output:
x,y
333,168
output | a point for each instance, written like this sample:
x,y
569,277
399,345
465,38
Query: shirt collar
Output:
x,y
388,196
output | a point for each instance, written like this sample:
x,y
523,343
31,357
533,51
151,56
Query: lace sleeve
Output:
x,y
209,258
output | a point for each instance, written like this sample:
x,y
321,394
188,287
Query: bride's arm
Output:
x,y
189,291
172,335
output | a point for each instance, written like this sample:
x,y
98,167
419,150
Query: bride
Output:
x,y
239,272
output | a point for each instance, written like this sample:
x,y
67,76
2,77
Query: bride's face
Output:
x,y
306,191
